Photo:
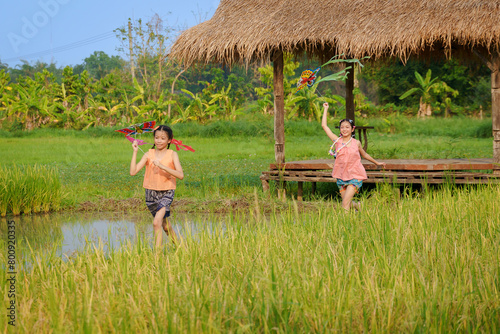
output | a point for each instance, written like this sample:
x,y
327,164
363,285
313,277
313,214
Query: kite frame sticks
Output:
x,y
135,129
131,132
308,77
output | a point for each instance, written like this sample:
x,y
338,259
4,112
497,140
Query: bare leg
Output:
x,y
169,231
157,223
347,196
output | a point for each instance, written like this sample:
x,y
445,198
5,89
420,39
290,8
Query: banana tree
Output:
x,y
184,115
292,106
132,111
443,91
425,89
79,86
265,104
5,92
225,103
158,110
310,104
66,109
31,105
199,109
100,113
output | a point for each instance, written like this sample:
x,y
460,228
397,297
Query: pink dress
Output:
x,y
348,163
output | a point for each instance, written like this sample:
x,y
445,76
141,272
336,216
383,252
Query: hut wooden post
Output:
x,y
349,94
495,111
279,115
279,108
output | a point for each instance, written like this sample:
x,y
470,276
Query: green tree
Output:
x,y
32,104
444,94
147,45
265,94
197,110
424,92
5,93
78,87
384,81
99,64
309,106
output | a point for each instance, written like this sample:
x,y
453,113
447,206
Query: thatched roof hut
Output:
x,y
244,31
260,30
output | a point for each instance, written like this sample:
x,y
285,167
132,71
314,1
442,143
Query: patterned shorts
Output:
x,y
344,184
157,199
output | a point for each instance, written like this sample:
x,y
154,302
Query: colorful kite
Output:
x,y
141,128
138,128
307,78
178,144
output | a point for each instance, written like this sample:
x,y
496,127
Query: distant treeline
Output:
x,y
111,90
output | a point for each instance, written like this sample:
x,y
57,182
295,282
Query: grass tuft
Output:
x,y
29,189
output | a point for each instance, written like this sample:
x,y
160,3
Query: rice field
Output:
x,y
409,261
29,189
93,165
405,263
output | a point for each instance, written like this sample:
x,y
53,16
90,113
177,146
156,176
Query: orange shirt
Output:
x,y
156,178
348,163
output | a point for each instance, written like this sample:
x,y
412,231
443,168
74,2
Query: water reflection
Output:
x,y
106,232
73,232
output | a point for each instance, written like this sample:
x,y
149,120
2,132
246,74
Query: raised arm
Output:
x,y
134,166
324,124
366,156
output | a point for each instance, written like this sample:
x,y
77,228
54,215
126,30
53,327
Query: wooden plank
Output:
x,y
402,180
386,174
401,171
394,164
389,177
298,173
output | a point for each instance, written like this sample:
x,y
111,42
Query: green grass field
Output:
x,y
410,261
229,159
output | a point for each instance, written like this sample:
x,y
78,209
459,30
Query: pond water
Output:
x,y
73,232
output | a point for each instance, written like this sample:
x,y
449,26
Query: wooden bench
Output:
x,y
435,171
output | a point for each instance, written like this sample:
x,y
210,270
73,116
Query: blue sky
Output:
x,y
68,31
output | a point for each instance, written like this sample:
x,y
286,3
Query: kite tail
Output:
x,y
178,145
139,143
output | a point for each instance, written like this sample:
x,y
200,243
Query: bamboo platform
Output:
x,y
409,171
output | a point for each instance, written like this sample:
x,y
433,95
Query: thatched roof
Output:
x,y
248,30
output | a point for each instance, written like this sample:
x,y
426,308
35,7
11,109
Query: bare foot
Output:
x,y
356,205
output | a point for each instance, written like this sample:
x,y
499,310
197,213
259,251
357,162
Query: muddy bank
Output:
x,y
192,205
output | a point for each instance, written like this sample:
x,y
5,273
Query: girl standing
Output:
x,y
163,168
347,151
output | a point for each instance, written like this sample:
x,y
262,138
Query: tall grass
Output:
x,y
27,189
405,263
